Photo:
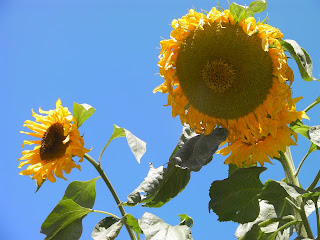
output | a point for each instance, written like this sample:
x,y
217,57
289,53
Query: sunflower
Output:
x,y
59,141
219,72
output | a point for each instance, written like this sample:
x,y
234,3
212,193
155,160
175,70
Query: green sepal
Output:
x,y
155,228
82,112
240,12
236,198
301,57
108,228
57,224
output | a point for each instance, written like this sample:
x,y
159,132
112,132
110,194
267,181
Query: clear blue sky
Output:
x,y
105,53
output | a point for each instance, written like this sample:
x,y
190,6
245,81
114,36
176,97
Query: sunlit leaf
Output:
x,y
82,193
133,223
235,198
107,229
82,112
314,134
162,183
301,57
137,146
240,12
154,228
186,220
66,212
198,151
300,128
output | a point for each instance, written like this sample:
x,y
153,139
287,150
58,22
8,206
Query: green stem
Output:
x,y
311,106
314,183
284,227
293,204
110,214
111,189
289,169
317,214
272,220
301,162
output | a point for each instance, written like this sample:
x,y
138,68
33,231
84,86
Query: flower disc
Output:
x,y
245,63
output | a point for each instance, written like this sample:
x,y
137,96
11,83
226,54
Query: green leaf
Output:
x,y
300,128
273,191
82,112
137,146
301,57
155,228
133,223
314,134
65,213
252,233
240,12
232,169
198,151
162,184
235,198
82,193
292,190
186,220
269,210
107,229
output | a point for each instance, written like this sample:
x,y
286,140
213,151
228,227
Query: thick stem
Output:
x,y
113,192
289,169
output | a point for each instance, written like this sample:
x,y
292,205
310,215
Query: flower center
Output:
x,y
223,72
218,75
52,143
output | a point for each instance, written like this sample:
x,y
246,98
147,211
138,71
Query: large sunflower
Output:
x,y
59,141
219,72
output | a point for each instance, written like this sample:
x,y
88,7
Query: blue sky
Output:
x,y
105,53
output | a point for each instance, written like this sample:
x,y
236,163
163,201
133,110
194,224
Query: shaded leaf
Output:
x,y
232,169
300,128
292,191
154,228
65,213
314,134
186,220
162,184
235,198
198,151
301,57
82,193
137,146
133,223
240,12
107,229
82,112
312,193
273,191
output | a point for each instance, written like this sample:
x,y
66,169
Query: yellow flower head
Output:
x,y
219,72
60,141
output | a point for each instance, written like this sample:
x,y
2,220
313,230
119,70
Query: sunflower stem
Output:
x,y
113,192
289,169
311,106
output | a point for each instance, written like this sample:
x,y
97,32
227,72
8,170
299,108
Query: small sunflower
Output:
x,y
219,72
59,141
